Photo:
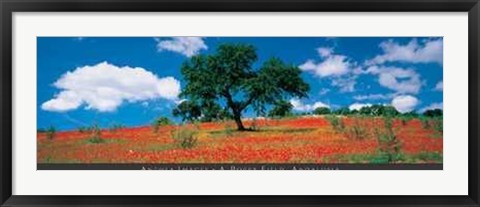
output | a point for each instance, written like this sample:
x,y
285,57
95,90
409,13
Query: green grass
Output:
x,y
223,133
286,130
49,159
266,130
379,158
93,140
428,156
184,137
159,147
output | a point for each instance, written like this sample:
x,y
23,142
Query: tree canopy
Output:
x,y
433,113
373,110
321,110
228,78
379,110
205,111
281,109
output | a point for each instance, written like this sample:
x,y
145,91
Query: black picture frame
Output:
x,y
10,6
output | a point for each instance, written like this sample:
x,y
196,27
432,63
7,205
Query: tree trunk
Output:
x,y
238,120
236,111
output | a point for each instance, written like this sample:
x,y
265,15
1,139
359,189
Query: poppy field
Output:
x,y
251,101
302,139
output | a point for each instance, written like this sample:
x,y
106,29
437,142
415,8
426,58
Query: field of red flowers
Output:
x,y
291,140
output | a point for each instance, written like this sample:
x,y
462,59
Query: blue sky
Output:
x,y
133,80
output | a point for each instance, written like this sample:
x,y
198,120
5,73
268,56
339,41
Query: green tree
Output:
x,y
322,110
342,111
205,112
160,121
376,110
228,77
379,110
211,111
390,111
433,113
281,109
188,110
411,114
366,110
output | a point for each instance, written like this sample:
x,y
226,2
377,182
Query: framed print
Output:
x,y
200,103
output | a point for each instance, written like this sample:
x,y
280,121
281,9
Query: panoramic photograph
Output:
x,y
178,101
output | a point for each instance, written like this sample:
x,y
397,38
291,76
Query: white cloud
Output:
x,y
167,87
333,65
426,52
405,103
339,67
188,46
64,101
397,79
439,86
346,84
299,106
324,51
104,87
373,97
432,106
358,106
323,91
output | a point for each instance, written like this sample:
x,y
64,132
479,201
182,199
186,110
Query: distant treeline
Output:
x,y
192,113
375,110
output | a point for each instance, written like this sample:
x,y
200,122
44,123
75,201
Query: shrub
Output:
x,y
87,129
96,136
184,137
438,124
116,127
51,132
357,130
405,120
336,123
228,130
388,144
425,122
160,121
81,129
